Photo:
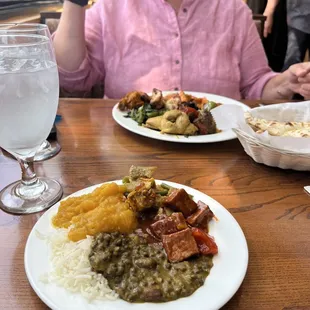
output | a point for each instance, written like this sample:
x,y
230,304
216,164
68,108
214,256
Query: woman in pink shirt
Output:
x,y
195,45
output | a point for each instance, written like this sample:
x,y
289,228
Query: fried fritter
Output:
x,y
134,99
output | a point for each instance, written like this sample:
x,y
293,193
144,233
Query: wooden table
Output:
x,y
269,203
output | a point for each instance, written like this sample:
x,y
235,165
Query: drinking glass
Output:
x,y
29,93
47,150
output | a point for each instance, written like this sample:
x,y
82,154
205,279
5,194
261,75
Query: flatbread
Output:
x,y
304,133
275,128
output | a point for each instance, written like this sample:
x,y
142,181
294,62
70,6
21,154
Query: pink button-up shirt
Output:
x,y
209,46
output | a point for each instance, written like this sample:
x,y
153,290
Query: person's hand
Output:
x,y
268,23
299,79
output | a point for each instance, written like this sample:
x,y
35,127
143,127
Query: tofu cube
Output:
x,y
180,245
180,201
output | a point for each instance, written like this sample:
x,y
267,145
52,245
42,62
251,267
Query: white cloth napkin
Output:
x,y
232,116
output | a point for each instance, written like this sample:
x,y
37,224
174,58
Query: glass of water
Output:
x,y
29,93
47,150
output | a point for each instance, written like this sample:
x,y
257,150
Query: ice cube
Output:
x,y
17,64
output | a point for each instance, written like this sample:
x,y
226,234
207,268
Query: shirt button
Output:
x,y
177,62
176,35
176,88
185,10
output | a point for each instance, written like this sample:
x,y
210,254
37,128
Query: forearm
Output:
x,y
271,6
69,40
278,88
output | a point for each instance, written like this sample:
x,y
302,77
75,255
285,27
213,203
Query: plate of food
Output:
x,y
185,117
136,243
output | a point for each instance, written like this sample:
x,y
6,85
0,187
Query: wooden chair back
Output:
x,y
260,20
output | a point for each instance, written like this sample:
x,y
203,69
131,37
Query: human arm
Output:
x,y
257,79
69,40
253,64
294,80
78,44
269,11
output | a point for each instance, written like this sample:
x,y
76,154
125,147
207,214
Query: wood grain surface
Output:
x,y
269,203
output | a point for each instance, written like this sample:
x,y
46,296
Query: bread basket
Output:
x,y
270,156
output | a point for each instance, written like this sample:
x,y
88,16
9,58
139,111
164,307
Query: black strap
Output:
x,y
80,2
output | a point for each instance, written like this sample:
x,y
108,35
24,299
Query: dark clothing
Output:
x,y
298,19
298,15
298,44
276,43
257,6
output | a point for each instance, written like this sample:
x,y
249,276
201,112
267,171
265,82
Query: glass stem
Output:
x,y
30,187
28,175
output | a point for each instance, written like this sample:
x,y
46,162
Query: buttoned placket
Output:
x,y
176,56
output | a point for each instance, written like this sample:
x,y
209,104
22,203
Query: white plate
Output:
x,y
225,134
230,265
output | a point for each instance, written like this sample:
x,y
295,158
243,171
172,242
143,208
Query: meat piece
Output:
x,y
179,200
157,100
201,217
205,123
169,225
164,227
180,245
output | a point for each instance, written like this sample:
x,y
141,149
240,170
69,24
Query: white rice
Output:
x,y
70,267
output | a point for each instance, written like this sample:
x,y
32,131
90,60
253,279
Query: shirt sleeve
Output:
x,y
91,70
254,68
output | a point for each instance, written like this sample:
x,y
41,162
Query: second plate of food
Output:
x,y
146,115
190,254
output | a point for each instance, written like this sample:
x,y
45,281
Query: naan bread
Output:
x,y
274,128
304,133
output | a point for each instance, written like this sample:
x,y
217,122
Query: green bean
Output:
x,y
140,115
163,192
165,186
133,114
152,114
